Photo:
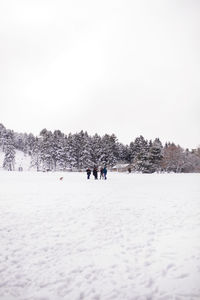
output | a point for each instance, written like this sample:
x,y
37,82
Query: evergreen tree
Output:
x,y
62,162
46,150
109,150
86,157
78,144
70,151
9,159
28,143
36,160
8,148
139,152
19,141
155,155
57,151
133,151
2,135
96,150
123,153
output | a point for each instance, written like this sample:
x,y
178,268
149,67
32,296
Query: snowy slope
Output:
x,y
21,160
130,237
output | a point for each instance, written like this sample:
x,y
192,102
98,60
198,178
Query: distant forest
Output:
x,y
57,151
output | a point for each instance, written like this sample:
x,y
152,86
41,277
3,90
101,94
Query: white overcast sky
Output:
x,y
111,66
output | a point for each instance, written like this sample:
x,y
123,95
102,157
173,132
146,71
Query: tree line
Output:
x,y
56,151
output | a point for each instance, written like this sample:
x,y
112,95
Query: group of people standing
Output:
x,y
103,173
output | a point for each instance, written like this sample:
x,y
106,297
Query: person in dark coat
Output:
x,y
105,173
88,171
95,173
101,173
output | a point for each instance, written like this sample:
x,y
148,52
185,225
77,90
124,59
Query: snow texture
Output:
x,y
130,237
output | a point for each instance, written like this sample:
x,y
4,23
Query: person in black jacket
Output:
x,y
95,173
88,171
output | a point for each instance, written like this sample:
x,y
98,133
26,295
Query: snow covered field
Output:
x,y
130,237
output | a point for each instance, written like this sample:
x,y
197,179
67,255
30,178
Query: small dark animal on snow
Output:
x,y
61,178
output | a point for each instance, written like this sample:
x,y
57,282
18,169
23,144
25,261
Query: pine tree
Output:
x,y
19,141
29,142
57,151
2,135
69,151
62,155
36,160
96,150
78,142
155,155
123,153
109,150
86,157
46,150
9,160
139,152
8,148
133,151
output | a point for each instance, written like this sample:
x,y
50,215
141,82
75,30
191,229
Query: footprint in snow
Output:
x,y
182,276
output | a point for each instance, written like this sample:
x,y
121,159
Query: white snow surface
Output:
x,y
131,237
